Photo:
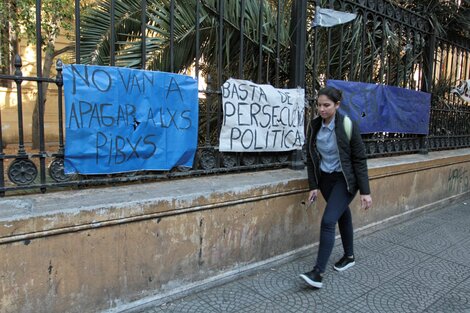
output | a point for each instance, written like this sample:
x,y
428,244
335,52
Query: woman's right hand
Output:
x,y
312,195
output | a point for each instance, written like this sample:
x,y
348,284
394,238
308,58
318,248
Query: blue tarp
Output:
x,y
380,108
120,120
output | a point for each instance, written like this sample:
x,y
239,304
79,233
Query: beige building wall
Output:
x,y
9,100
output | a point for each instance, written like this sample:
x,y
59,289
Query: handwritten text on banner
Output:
x,y
121,120
261,117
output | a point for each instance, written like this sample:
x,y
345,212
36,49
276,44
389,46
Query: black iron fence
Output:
x,y
450,116
394,46
263,41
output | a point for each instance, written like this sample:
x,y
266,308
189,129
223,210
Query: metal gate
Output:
x,y
266,41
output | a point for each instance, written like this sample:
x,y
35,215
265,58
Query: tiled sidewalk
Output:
x,y
421,265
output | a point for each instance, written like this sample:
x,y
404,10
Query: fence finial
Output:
x,y
18,65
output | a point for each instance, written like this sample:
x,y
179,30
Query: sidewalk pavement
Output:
x,y
421,265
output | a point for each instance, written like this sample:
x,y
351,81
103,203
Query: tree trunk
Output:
x,y
46,71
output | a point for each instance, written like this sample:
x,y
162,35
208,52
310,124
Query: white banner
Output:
x,y
329,17
261,117
463,90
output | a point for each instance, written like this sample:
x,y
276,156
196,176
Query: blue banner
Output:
x,y
120,120
380,108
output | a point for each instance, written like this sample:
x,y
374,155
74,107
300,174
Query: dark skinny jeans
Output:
x,y
334,189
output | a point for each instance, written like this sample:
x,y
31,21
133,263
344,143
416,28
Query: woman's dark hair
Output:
x,y
332,93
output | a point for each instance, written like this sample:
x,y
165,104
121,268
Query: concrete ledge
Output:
x,y
40,215
97,249
123,204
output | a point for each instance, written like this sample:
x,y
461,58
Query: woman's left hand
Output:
x,y
366,201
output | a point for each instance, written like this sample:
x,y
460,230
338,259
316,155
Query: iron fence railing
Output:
x,y
390,45
263,41
449,125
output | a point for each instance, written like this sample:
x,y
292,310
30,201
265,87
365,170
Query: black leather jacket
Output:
x,y
352,156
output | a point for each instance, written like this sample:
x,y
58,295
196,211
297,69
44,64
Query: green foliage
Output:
x,y
19,16
449,18
56,18
95,31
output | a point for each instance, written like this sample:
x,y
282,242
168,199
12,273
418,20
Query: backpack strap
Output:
x,y
347,123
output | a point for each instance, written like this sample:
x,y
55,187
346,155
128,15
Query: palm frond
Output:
x,y
95,41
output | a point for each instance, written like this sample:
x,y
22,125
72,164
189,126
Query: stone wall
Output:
x,y
98,249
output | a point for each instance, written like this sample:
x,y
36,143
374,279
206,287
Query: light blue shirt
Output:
x,y
328,148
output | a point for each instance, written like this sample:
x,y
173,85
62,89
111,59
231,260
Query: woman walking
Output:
x,y
337,167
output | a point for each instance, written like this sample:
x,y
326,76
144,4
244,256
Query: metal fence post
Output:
x,y
427,80
297,61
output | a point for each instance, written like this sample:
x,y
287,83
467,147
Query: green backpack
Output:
x,y
347,124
